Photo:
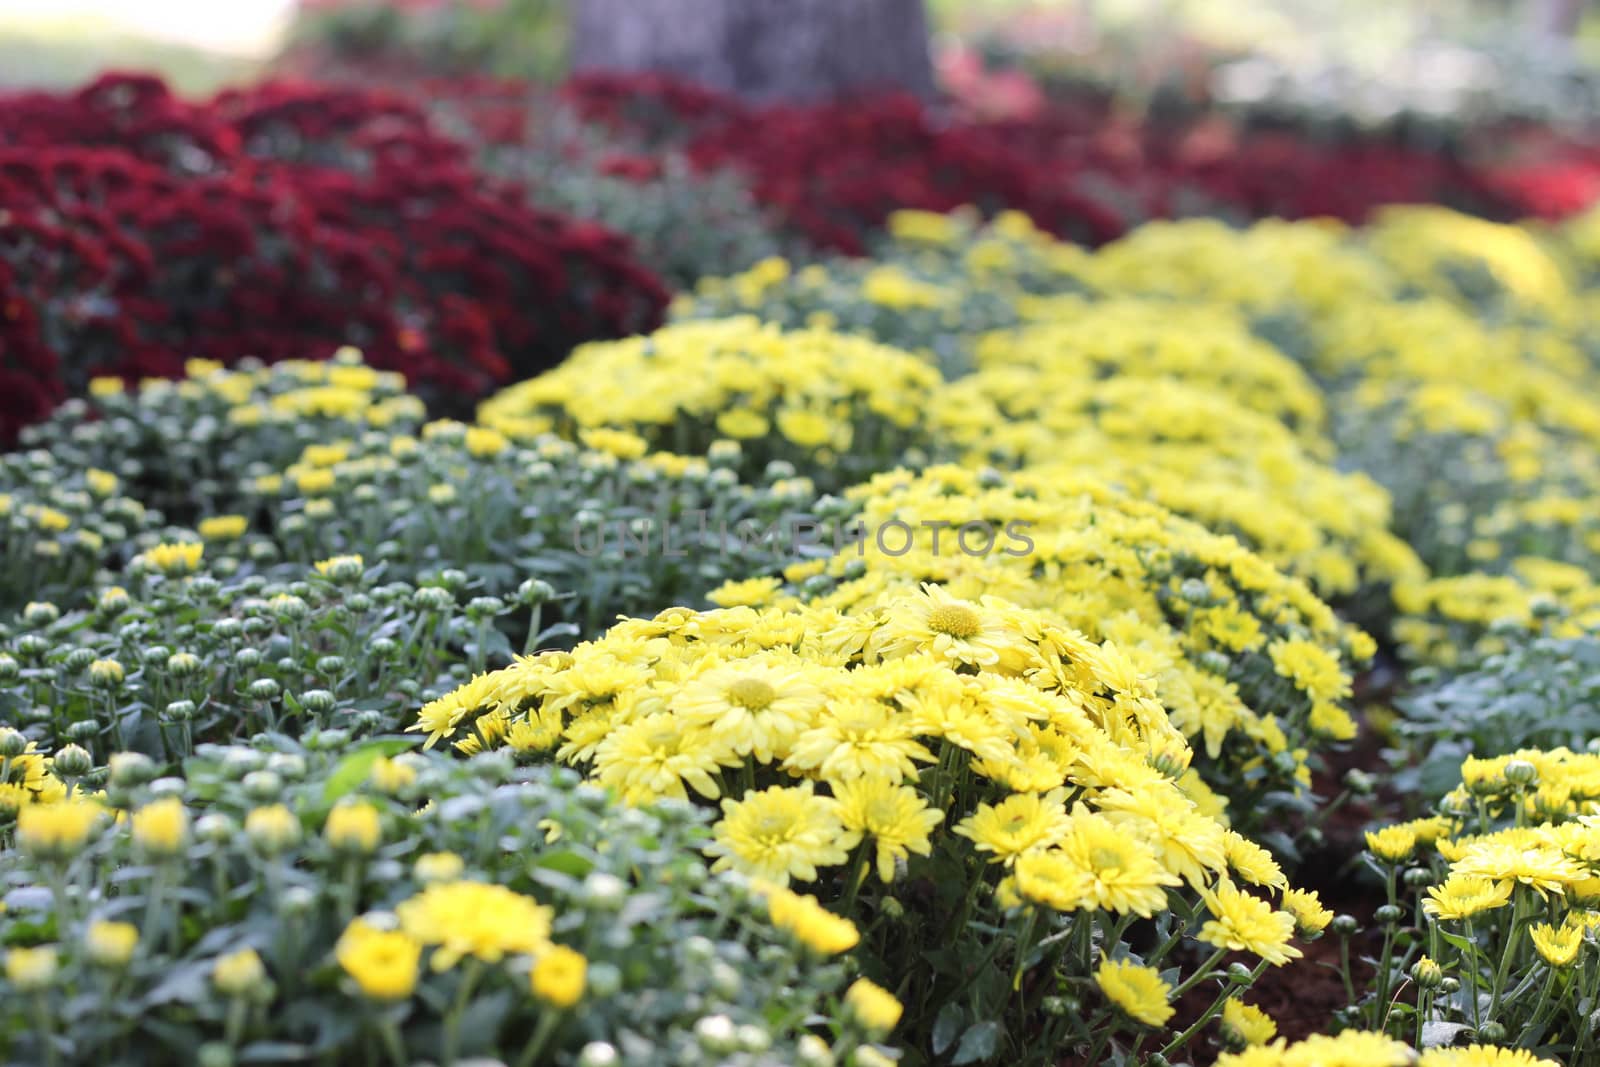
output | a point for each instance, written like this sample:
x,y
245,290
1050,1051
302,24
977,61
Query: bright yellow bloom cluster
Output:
x,y
825,401
1358,1048
921,723
1210,625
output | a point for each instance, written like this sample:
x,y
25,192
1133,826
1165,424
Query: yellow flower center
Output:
x,y
957,620
752,693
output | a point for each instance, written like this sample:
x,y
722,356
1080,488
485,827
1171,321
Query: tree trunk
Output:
x,y
765,50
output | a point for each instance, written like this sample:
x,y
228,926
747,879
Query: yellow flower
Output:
x,y
1559,945
1123,873
56,830
1244,1024
349,566
272,828
174,557
482,441
1463,896
31,969
354,827
110,944
1483,1056
779,833
558,976
1310,917
101,483
873,1006
1138,990
1243,923
106,673
161,827
487,922
437,867
811,924
1019,824
391,776
1392,844
223,527
314,481
382,962
896,817
238,973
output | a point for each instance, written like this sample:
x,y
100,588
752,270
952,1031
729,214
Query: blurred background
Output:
x,y
1364,61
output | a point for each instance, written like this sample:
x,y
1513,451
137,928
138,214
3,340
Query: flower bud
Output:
x,y
433,598
264,689
12,743
216,828
239,973
716,1034
1344,925
110,944
354,828
40,614
272,829
535,591
263,786
130,769
78,660
179,711
1388,914
1427,974
71,761
1492,1033
105,673
317,701
598,1054
1522,773
32,970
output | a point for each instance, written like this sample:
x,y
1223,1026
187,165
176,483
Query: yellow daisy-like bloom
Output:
x,y
860,738
1244,1025
1546,870
487,922
957,631
32,968
756,707
354,827
558,976
1253,863
238,973
1243,923
161,827
1123,873
1310,917
1392,844
382,962
779,833
1352,1048
56,830
110,944
1138,990
896,817
812,925
1313,669
1559,945
1019,824
876,1008
1462,896
1483,1056
174,557
657,755
223,527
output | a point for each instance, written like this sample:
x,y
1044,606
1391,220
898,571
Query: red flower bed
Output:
x,y
138,230
835,171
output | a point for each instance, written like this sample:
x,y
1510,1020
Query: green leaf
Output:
x,y
354,768
979,1043
947,1026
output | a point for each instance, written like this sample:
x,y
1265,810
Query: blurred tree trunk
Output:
x,y
761,49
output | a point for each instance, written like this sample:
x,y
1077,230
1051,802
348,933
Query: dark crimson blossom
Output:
x,y
138,230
